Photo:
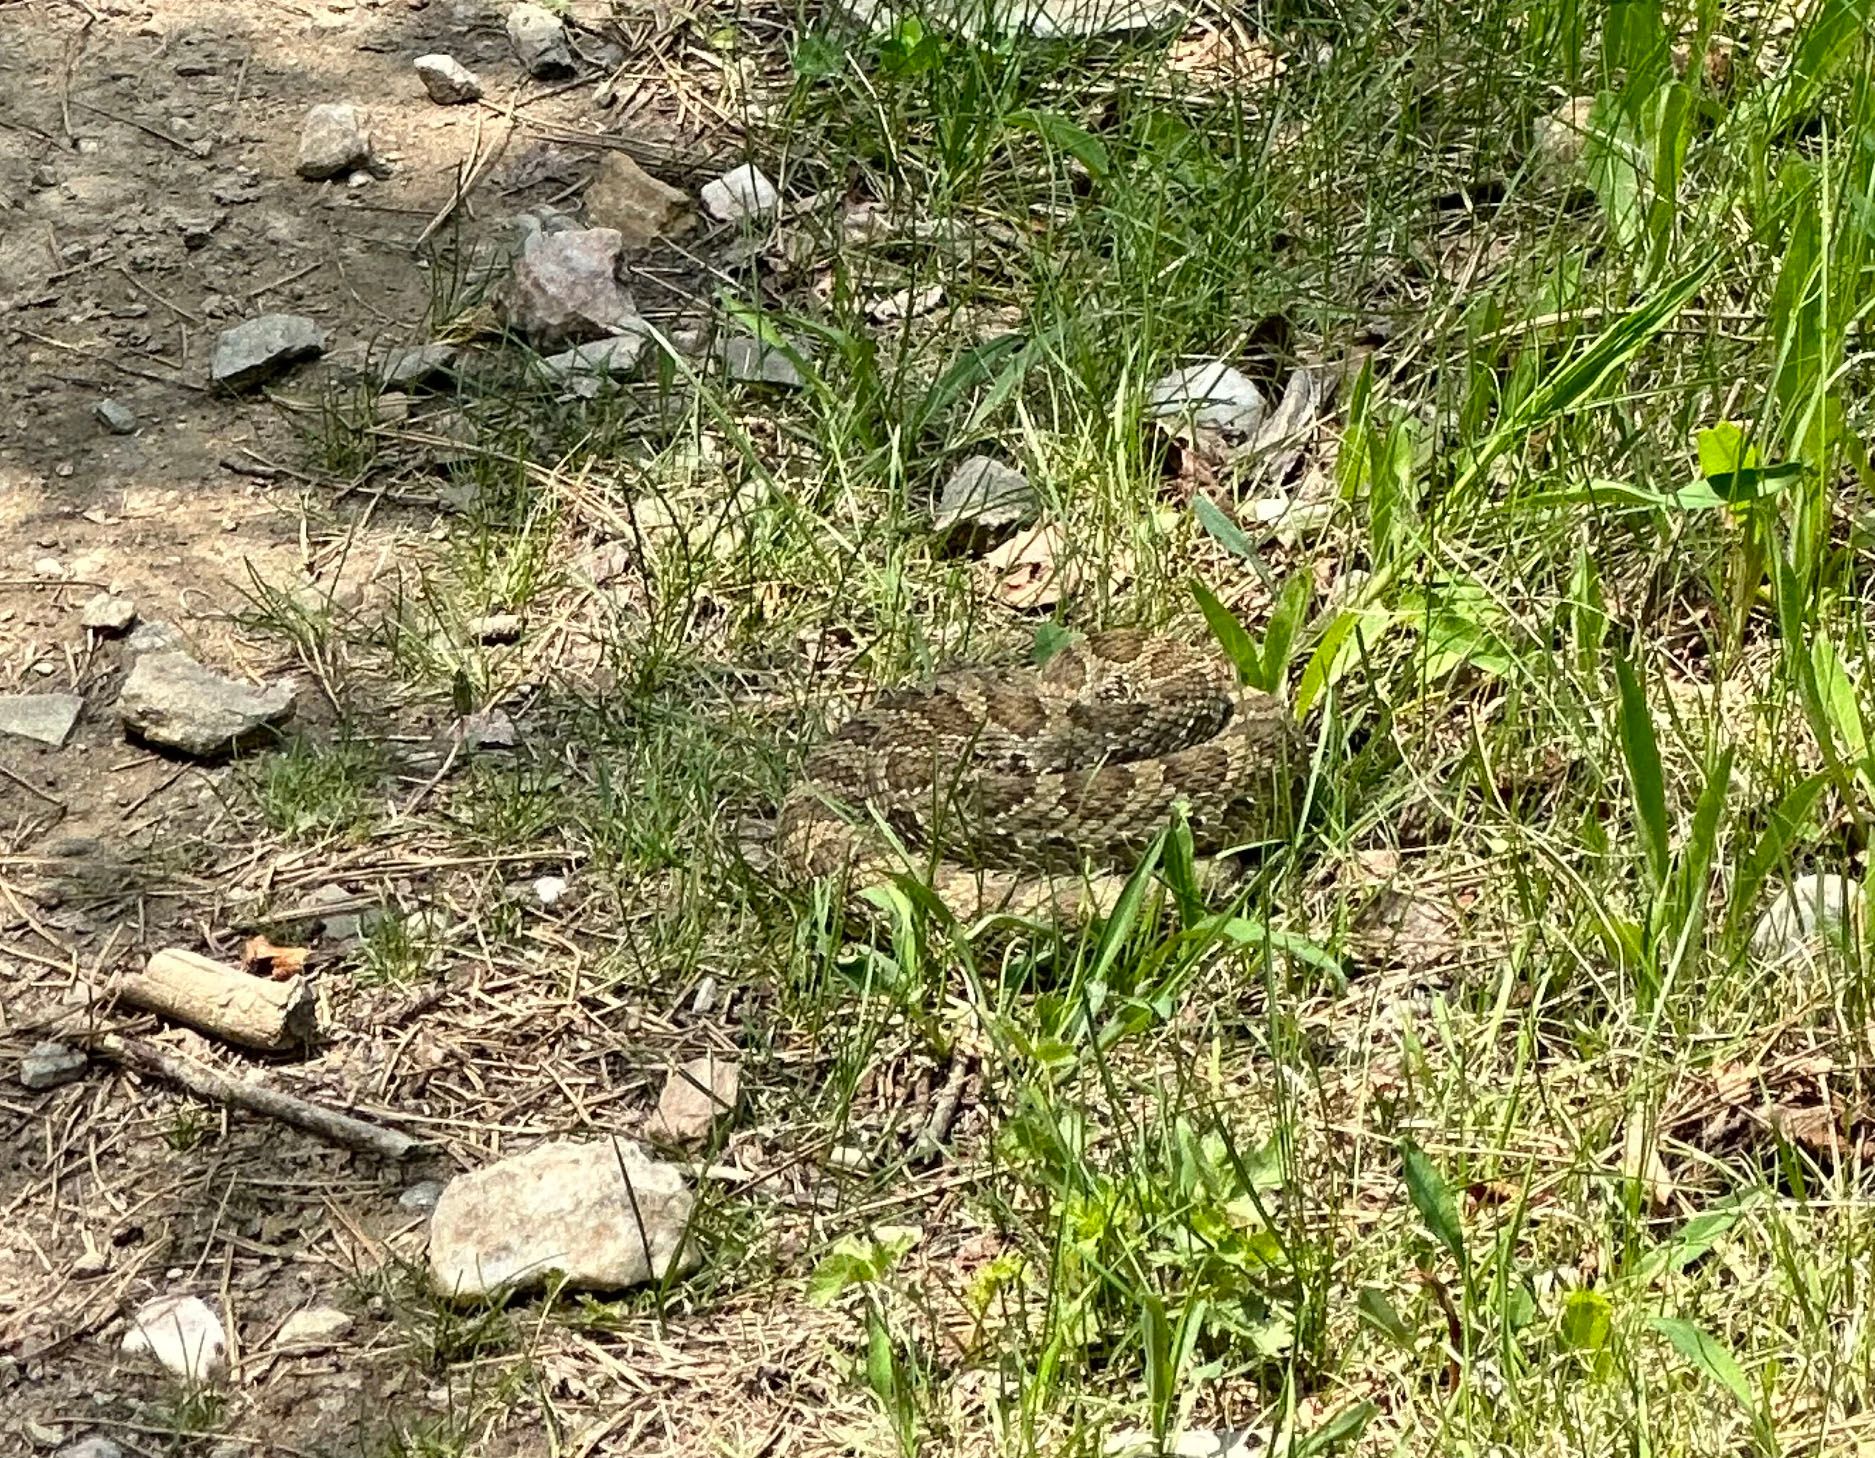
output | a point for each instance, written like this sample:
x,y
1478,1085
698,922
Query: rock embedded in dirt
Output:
x,y
490,729
93,1445
423,1195
984,500
588,368
539,40
755,362
47,718
315,1329
171,700
115,417
742,192
418,365
1209,396
565,289
1815,913
601,1211
334,138
50,1064
259,349
447,80
181,1332
623,196
154,637
696,1094
109,614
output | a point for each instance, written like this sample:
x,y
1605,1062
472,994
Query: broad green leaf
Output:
x,y
1725,450
1378,1310
1646,783
1836,693
1344,1427
1225,532
1231,635
1587,1321
1432,1198
1355,629
1787,823
1705,1352
1064,136
1286,618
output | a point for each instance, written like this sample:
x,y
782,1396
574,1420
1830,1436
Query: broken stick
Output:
x,y
217,1087
234,1005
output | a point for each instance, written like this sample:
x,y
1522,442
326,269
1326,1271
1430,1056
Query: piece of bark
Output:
x,y
225,1001
217,1087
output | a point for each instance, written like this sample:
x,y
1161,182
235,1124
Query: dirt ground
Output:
x,y
148,199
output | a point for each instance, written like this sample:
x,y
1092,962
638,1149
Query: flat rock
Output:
x,y
171,700
754,362
93,1445
181,1332
742,192
588,368
565,288
260,348
447,80
154,637
334,138
408,368
539,40
1815,913
696,1094
314,1329
423,1195
48,1065
47,718
601,1211
109,614
490,729
1210,396
984,499
115,417
624,197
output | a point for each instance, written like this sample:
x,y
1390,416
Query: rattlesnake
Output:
x,y
1029,791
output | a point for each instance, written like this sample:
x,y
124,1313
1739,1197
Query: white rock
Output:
x,y
314,1329
50,1064
1813,914
47,718
95,1445
423,1195
601,1211
742,192
154,637
549,889
109,614
181,1332
448,81
1211,396
334,138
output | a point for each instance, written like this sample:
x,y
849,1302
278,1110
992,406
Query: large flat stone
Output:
x,y
171,700
45,717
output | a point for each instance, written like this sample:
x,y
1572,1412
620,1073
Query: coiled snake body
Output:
x,y
1002,787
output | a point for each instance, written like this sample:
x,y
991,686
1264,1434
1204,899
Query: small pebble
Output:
x,y
108,614
116,418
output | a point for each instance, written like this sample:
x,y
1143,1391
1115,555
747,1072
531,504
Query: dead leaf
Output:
x,y
262,958
1032,570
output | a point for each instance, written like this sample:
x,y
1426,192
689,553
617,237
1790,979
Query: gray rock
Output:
x,y
423,1195
45,717
1210,396
490,729
95,1445
1814,914
156,637
587,368
448,81
117,418
171,700
742,192
50,1064
696,1094
181,1332
496,628
408,368
260,348
985,499
601,1211
109,614
334,138
565,288
539,40
315,1329
751,361
343,923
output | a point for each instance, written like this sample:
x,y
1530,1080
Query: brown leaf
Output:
x,y
264,959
